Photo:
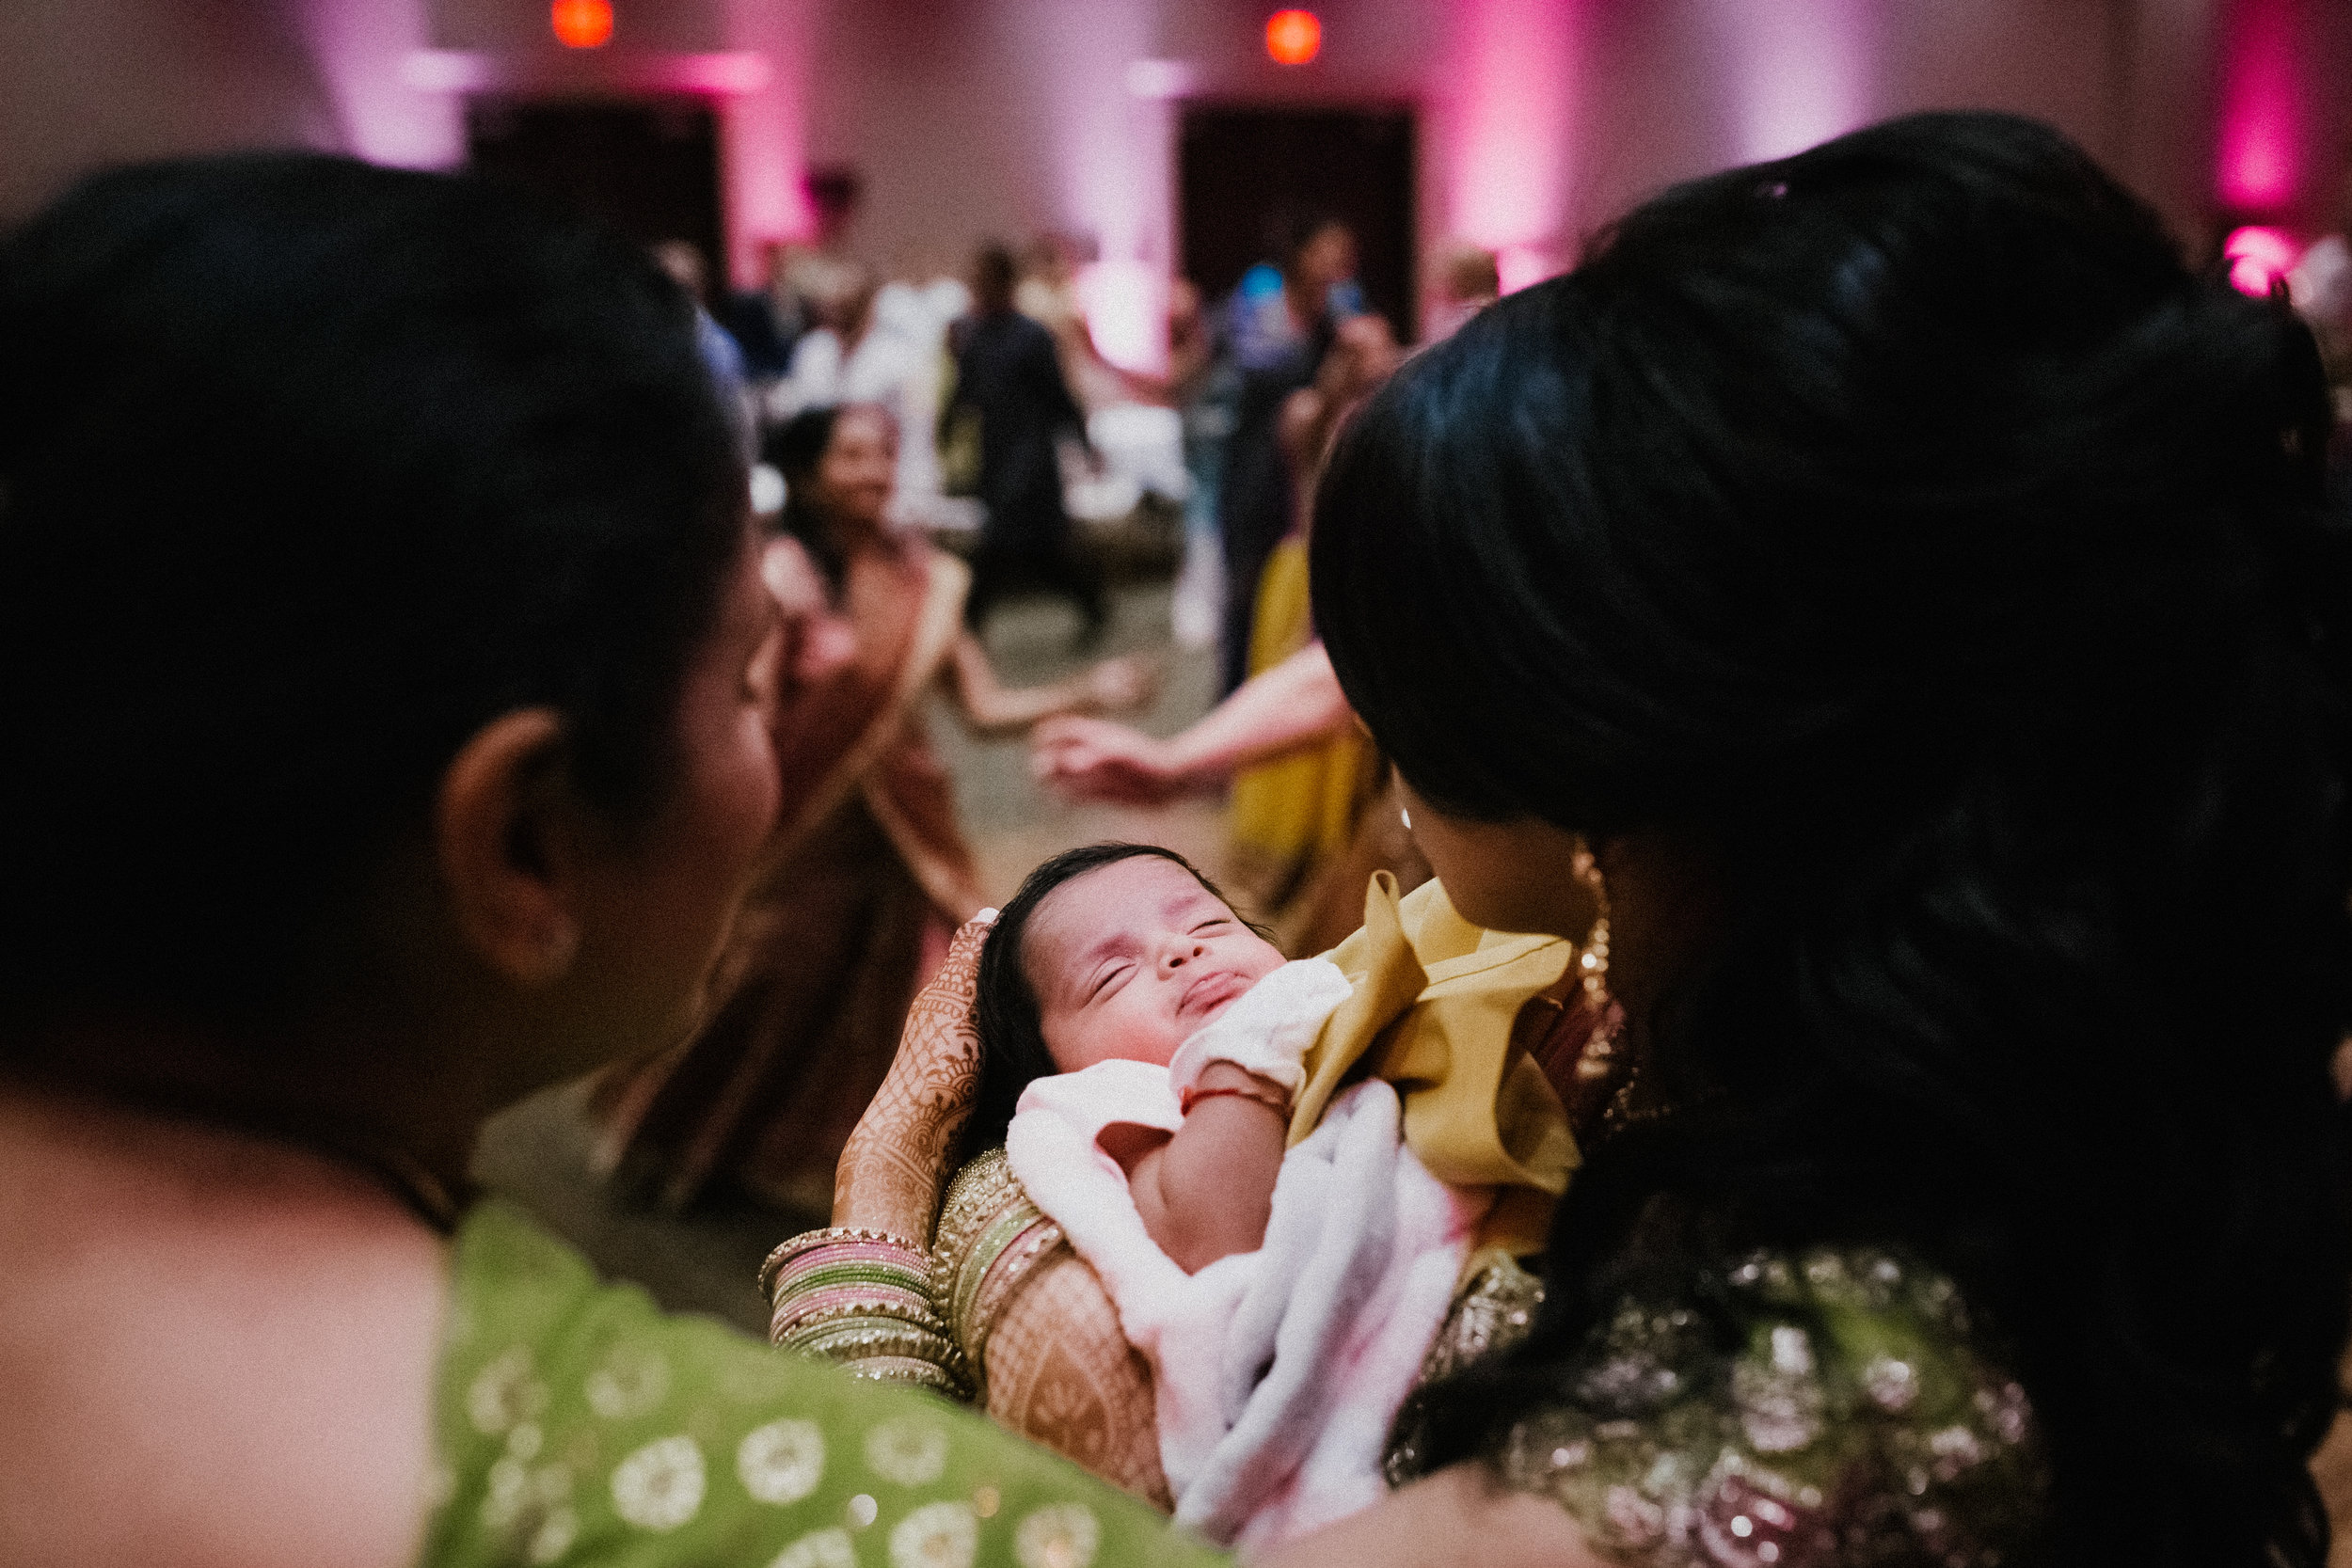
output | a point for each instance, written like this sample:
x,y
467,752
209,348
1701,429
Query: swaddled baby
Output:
x,y
1140,1046
1124,953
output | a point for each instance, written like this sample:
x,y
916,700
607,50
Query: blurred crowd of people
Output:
x,y
888,415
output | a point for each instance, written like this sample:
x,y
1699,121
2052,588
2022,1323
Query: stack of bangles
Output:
x,y
861,1299
992,1238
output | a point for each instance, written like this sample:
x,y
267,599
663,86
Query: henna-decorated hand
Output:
x,y
893,1167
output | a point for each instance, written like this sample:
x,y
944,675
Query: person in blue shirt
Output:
x,y
1280,326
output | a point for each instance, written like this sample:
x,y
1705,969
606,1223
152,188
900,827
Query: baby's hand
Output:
x,y
1206,1193
1267,1032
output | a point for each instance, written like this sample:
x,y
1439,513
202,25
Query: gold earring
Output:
x,y
1599,1060
1593,960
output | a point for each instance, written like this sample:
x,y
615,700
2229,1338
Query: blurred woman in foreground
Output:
x,y
391,739
1909,580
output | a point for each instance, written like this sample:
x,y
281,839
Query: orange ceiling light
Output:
x,y
1293,37
581,23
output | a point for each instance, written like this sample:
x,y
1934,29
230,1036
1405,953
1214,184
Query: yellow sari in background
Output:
x,y
1304,827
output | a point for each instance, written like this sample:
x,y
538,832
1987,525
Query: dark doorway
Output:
x,y
1247,174
649,168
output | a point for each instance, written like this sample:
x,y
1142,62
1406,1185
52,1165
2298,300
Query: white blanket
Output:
x,y
1277,1372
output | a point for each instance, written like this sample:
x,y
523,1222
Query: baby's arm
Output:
x,y
1205,1191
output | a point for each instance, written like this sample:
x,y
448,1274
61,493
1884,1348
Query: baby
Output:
x,y
1124,953
1140,1046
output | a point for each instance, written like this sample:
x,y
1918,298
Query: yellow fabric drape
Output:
x,y
1436,998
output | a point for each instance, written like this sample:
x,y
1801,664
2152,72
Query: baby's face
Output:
x,y
1130,959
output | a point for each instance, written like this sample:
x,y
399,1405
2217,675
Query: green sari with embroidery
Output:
x,y
579,1424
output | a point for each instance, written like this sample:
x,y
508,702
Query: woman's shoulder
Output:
x,y
1818,1403
206,1340
578,1422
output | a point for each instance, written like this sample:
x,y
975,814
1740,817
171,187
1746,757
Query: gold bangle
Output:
x,y
1006,1273
903,1312
992,1238
850,1341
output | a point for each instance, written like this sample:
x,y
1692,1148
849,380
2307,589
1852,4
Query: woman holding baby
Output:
x,y
1895,571
1906,581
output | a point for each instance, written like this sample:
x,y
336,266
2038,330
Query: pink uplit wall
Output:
x,y
361,47
934,108
1505,143
2284,147
763,134
1540,120
1113,186
1800,71
88,83
2259,166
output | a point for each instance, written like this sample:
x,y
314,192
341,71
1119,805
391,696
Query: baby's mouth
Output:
x,y
1211,990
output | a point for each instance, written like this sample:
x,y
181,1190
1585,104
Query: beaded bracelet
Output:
x,y
833,1238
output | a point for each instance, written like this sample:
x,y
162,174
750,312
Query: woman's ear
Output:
x,y
506,839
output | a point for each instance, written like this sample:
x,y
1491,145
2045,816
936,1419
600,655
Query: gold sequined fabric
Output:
x,y
1857,1419
1493,1310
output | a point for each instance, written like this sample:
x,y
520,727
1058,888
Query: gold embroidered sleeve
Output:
x,y
1039,1332
1062,1374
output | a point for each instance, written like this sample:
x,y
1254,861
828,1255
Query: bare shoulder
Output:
x,y
1429,1522
217,1351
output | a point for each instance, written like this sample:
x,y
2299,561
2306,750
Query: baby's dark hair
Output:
x,y
1005,1006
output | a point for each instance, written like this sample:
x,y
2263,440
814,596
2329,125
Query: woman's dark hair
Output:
x,y
1005,1006
1902,522
307,469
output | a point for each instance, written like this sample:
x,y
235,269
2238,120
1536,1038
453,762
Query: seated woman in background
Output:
x,y
867,875
391,740
1910,580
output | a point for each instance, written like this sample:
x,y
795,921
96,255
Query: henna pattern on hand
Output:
x,y
893,1170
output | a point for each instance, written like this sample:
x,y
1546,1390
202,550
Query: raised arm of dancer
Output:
x,y
1295,704
990,706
